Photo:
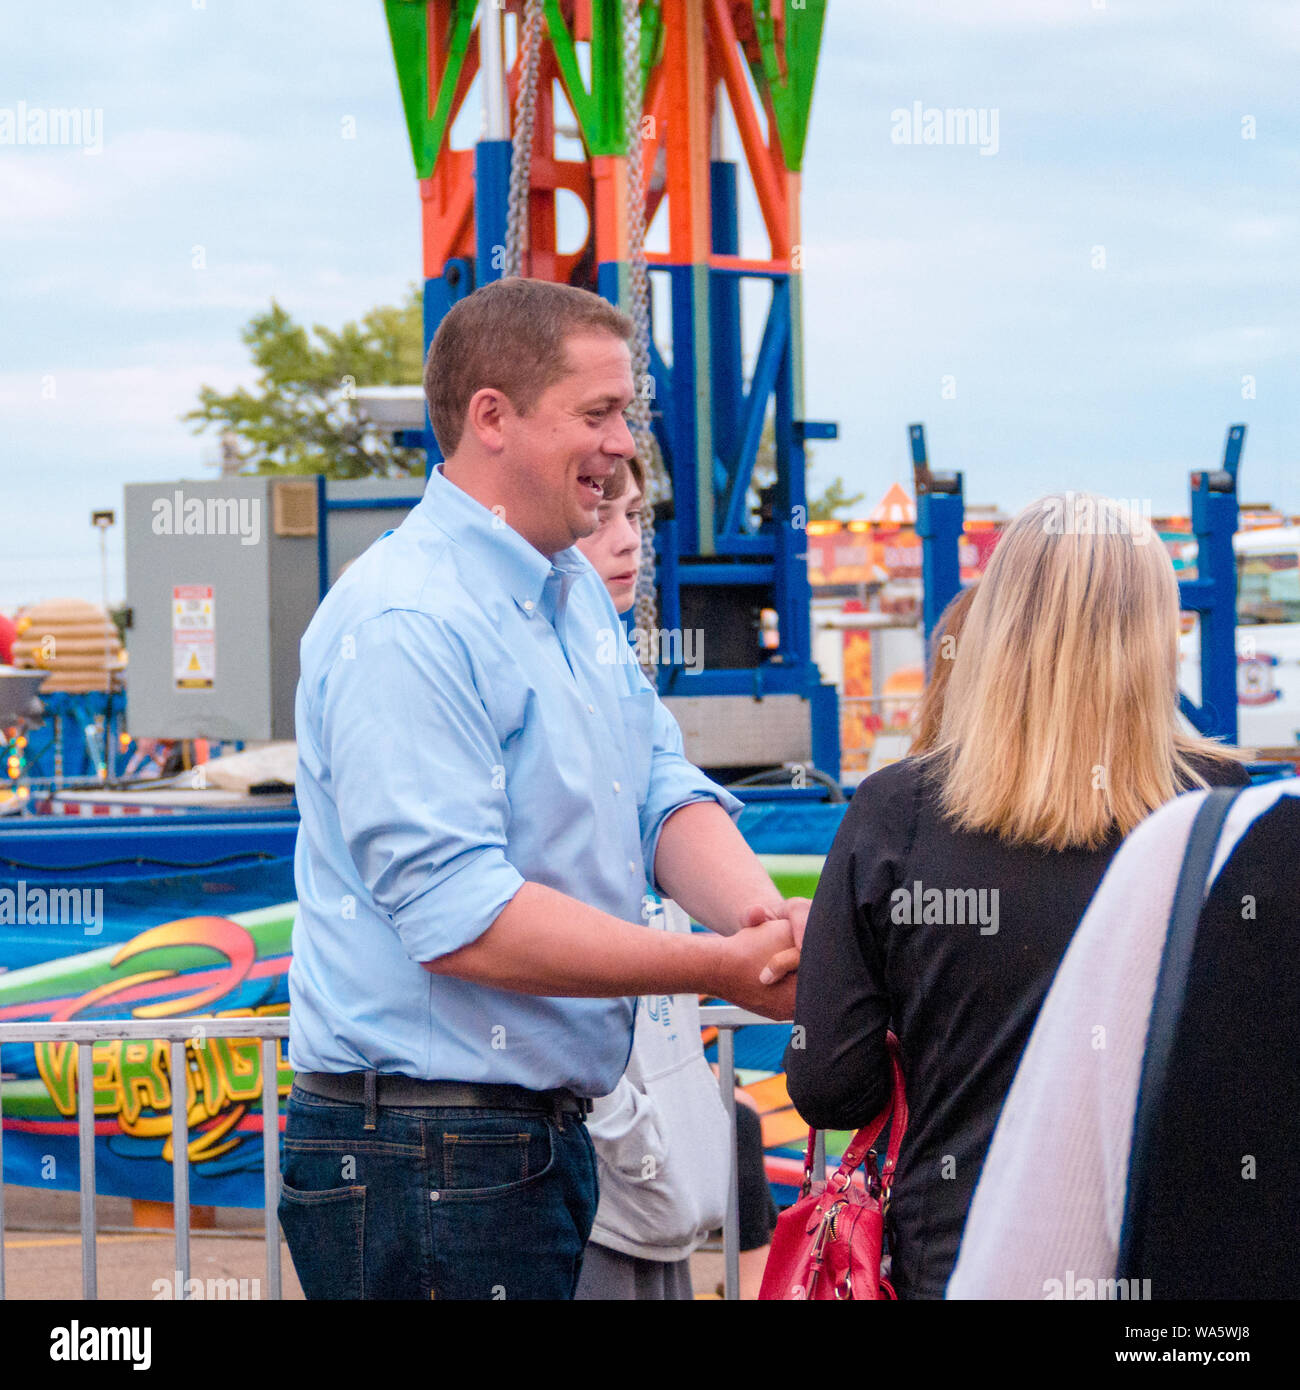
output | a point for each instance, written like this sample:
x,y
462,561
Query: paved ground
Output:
x,y
43,1251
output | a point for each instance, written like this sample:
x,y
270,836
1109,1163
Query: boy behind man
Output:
x,y
662,1137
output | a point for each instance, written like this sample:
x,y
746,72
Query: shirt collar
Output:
x,y
522,569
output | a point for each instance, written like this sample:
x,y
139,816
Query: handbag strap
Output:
x,y
1166,1011
895,1106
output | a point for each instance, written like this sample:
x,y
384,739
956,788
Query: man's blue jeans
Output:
x,y
435,1202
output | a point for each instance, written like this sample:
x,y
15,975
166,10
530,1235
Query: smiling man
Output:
x,y
483,799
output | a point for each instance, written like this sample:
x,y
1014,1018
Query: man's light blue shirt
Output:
x,y
469,718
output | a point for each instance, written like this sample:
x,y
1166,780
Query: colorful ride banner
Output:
x,y
215,943
194,945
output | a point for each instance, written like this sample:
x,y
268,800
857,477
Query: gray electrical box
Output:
x,y
222,578
721,732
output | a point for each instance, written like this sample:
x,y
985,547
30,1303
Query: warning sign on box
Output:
x,y
194,637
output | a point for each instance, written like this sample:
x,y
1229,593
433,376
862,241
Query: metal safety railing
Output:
x,y
726,1019
178,1032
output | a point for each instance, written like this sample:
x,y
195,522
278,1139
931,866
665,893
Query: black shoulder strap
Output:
x,y
1166,1010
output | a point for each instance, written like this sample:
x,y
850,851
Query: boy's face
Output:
x,y
614,548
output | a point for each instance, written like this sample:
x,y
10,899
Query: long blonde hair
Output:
x,y
1060,723
944,641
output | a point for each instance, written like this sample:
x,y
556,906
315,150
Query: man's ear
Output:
x,y
485,418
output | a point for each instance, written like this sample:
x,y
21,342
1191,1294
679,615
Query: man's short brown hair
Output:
x,y
510,336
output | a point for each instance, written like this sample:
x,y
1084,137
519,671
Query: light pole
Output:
x,y
101,521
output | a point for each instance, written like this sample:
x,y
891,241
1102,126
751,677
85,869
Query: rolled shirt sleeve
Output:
x,y
674,781
459,735
418,781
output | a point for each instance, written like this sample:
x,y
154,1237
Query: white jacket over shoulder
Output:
x,y
661,1136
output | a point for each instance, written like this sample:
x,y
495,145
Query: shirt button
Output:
x,y
591,709
618,786
434,1196
631,866
529,605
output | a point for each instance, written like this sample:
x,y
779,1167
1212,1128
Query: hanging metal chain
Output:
x,y
638,307
521,149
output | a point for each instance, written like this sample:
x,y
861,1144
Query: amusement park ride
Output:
x,y
648,102
647,84
621,109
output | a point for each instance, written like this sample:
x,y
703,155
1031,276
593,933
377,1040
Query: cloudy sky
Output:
x,y
1087,307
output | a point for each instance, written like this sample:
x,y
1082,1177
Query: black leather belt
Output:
x,y
393,1089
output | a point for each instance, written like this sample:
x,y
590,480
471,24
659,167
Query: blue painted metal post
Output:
x,y
607,281
825,712
687,403
724,313
1213,593
492,154
440,293
491,197
793,593
323,536
1232,449
940,515
1214,519
667,549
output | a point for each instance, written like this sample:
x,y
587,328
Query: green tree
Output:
x,y
825,505
832,500
302,416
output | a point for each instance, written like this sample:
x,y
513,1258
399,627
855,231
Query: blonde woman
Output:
x,y
957,878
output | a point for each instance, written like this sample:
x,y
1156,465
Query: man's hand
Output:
x,y
792,910
748,956
546,943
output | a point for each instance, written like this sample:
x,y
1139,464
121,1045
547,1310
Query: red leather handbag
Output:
x,y
828,1244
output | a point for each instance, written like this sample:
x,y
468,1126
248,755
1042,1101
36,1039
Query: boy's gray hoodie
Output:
x,y
661,1136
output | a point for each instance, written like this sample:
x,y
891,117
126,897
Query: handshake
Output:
x,y
760,960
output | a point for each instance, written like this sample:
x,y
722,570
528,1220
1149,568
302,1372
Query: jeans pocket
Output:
x,y
518,1240
494,1157
326,1231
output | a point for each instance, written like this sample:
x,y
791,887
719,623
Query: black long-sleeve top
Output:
x,y
961,990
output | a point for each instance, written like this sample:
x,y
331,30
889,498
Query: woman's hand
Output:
x,y
794,911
